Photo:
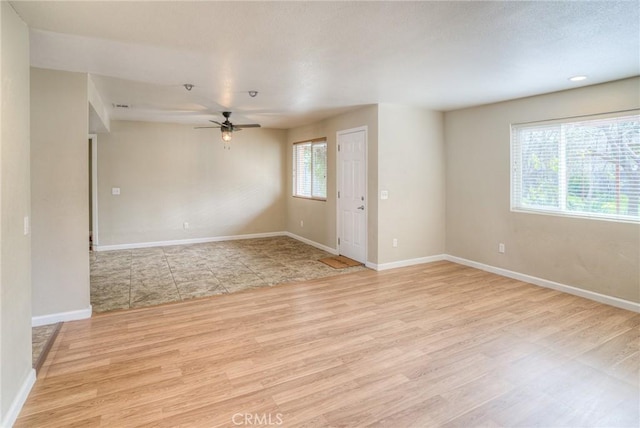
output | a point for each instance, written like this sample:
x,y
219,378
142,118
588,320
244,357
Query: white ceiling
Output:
x,y
312,60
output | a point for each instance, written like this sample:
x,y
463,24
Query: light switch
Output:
x,y
115,190
384,194
27,226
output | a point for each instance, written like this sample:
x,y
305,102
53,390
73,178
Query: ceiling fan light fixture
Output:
x,y
226,135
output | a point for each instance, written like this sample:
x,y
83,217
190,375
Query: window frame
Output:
x,y
562,210
312,142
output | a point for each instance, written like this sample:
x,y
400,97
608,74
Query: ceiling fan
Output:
x,y
227,127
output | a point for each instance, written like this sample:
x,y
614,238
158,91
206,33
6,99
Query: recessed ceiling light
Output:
x,y
578,78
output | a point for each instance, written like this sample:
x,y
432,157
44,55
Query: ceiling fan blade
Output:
x,y
205,127
248,125
217,123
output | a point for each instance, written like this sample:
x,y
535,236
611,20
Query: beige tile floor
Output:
x,y
126,279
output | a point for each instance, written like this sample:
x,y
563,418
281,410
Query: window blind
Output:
x,y
310,169
303,169
587,167
319,176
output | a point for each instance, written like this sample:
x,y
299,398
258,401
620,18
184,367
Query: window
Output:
x,y
310,169
587,167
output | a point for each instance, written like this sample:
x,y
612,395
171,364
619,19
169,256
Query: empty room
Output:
x,y
320,214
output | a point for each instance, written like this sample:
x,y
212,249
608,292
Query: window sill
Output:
x,y
310,199
577,215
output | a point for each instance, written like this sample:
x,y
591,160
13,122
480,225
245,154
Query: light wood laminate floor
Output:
x,y
431,345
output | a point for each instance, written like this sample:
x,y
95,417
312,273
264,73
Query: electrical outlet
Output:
x,y
185,225
115,191
501,248
395,242
384,194
301,223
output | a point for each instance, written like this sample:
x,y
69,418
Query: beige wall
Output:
x,y
595,255
59,191
98,116
15,247
405,155
320,217
169,174
411,168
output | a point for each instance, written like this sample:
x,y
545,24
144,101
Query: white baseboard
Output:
x,y
591,295
405,263
212,239
312,243
186,241
61,317
16,405
602,298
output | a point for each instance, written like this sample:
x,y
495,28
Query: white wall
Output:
x,y
59,190
16,374
595,255
169,174
411,167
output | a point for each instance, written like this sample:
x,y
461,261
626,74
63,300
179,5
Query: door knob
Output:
x,y
361,207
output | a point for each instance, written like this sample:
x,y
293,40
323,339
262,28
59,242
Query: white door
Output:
x,y
352,192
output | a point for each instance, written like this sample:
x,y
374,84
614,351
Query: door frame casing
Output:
x,y
364,128
94,190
